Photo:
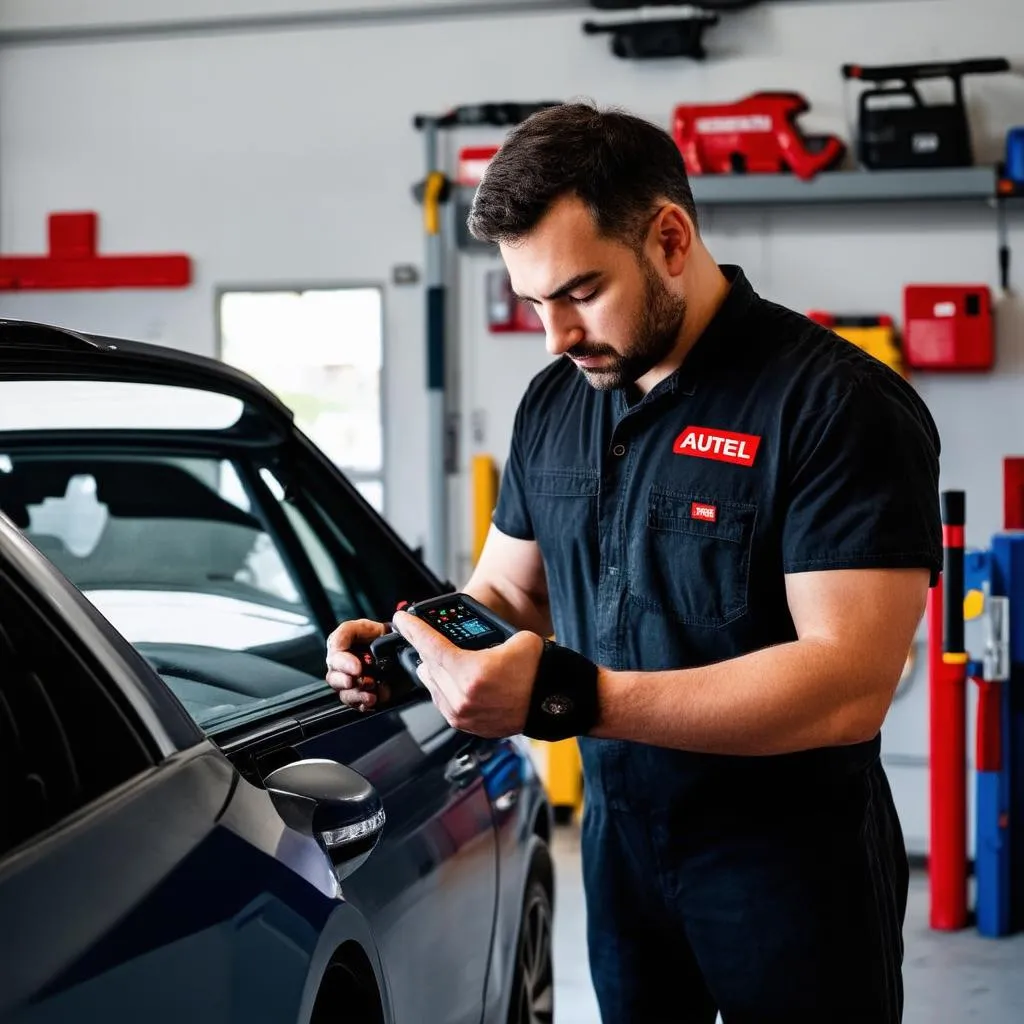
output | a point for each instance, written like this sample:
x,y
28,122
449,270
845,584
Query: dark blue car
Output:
x,y
193,829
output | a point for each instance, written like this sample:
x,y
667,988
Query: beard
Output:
x,y
659,322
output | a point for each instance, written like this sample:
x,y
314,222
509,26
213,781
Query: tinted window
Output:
x,y
64,741
194,561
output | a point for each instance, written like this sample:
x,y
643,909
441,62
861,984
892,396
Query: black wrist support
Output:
x,y
564,698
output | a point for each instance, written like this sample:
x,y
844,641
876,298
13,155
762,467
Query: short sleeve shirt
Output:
x,y
667,527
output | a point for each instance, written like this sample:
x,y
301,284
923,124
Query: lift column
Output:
x,y
947,663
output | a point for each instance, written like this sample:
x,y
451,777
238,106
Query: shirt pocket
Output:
x,y
688,565
563,508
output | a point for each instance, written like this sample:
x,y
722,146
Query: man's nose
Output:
x,y
562,332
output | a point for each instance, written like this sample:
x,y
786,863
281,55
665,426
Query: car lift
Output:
x,y
987,585
434,192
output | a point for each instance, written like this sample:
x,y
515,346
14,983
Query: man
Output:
x,y
731,516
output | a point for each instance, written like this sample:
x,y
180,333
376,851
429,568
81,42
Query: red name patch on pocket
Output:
x,y
709,513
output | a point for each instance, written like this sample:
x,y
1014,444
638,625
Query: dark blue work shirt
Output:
x,y
667,527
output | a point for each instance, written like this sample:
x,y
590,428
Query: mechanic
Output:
x,y
731,516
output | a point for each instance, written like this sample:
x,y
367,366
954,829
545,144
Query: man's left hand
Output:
x,y
485,693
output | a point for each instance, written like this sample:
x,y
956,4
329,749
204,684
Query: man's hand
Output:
x,y
486,693
346,671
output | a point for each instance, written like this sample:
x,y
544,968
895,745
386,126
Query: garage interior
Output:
x,y
302,169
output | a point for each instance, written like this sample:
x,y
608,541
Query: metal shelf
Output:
x,y
951,184
939,185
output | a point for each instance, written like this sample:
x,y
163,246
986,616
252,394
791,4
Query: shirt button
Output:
x,y
619,449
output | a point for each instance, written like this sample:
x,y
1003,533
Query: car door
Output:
x,y
429,891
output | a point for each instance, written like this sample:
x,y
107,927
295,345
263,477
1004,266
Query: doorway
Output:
x,y
320,351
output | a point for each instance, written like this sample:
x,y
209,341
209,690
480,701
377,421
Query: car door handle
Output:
x,y
461,768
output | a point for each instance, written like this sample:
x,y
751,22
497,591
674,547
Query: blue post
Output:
x,y
999,875
1008,551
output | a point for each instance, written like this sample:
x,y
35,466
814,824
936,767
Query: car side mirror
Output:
x,y
334,805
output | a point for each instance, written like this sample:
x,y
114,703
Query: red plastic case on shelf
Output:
x,y
758,134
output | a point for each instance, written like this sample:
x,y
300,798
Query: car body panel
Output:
x,y
160,931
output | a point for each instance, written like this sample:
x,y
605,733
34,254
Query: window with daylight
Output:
x,y
320,350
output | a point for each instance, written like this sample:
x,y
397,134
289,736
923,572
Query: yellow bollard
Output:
x,y
558,764
485,497
561,771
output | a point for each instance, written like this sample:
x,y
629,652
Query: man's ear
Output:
x,y
671,238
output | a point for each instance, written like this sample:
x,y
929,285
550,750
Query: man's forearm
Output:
x,y
794,696
515,606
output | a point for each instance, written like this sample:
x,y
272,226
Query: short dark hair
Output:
x,y
620,165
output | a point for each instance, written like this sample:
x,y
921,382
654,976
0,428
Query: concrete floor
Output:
x,y
949,977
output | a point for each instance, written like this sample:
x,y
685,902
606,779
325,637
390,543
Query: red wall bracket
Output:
x,y
73,263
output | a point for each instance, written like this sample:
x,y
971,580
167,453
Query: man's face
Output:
x,y
601,303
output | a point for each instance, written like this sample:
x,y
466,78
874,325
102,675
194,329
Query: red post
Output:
x,y
947,855
1013,493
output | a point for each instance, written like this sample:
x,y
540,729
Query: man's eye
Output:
x,y
582,300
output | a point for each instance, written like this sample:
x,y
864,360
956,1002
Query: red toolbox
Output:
x,y
948,327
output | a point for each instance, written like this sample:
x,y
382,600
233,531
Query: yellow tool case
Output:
x,y
876,335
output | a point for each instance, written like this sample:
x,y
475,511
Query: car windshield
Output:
x,y
193,560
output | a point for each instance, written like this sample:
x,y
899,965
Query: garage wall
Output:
x,y
286,157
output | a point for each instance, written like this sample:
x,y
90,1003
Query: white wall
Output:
x,y
287,157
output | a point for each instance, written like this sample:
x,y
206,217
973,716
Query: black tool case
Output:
x,y
897,129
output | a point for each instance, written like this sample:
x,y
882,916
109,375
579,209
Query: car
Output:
x,y
193,827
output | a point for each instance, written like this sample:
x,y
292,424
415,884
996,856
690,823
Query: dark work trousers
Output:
x,y
766,907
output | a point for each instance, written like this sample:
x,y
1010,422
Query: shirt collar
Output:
x,y
707,347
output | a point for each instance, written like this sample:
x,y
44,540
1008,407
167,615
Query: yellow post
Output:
x,y
561,771
485,497
558,763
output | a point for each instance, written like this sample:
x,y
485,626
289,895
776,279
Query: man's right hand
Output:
x,y
345,670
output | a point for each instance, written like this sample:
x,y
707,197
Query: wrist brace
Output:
x,y
563,703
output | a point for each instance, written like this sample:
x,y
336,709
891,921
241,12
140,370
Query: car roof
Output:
x,y
38,351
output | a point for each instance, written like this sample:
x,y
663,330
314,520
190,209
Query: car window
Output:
x,y
64,741
345,597
185,558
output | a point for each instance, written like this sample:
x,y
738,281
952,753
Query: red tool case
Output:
x,y
756,135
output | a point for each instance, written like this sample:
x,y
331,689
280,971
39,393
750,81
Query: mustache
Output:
x,y
586,350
